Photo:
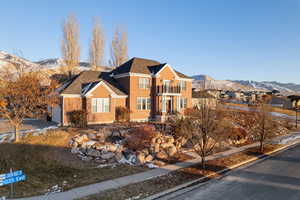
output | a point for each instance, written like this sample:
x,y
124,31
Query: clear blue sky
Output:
x,y
226,39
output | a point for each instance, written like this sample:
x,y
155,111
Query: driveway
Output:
x,y
276,178
28,124
7,131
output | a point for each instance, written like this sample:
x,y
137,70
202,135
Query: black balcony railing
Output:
x,y
168,89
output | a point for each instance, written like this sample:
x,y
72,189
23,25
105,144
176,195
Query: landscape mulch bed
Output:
x,y
162,183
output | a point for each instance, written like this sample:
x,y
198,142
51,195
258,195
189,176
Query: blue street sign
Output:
x,y
12,174
12,177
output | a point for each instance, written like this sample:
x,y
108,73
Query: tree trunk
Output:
x,y
261,147
203,162
17,133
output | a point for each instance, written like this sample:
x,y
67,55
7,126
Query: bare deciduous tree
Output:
x,y
23,95
204,128
70,47
264,125
96,45
119,49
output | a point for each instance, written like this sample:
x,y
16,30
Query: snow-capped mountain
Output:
x,y
54,63
285,88
207,82
51,64
6,59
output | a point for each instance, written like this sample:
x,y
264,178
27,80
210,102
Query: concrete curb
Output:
x,y
196,183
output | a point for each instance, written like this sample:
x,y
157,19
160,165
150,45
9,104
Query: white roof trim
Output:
x,y
165,66
131,74
113,94
176,75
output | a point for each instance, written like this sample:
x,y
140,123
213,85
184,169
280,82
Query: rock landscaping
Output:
x,y
133,146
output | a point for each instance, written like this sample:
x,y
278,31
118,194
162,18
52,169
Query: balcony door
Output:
x,y
166,85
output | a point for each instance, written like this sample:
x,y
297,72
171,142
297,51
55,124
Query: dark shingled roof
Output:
x,y
142,66
135,65
78,82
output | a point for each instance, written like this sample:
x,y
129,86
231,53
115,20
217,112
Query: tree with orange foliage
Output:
x,y
23,95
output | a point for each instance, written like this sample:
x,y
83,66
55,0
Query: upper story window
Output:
x,y
144,83
167,86
100,105
143,103
182,85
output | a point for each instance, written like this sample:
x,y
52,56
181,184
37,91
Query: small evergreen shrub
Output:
x,y
78,118
122,114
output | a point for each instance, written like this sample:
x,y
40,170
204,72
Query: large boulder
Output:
x,y
141,158
107,156
156,148
162,155
93,152
149,158
166,145
172,150
88,144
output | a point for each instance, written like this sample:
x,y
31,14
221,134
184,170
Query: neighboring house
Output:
x,y
149,89
294,102
200,98
235,95
281,102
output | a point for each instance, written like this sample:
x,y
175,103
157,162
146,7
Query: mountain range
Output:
x,y
200,81
207,82
51,64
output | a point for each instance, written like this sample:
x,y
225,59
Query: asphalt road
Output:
x,y
276,178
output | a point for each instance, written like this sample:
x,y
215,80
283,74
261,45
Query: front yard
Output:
x,y
47,162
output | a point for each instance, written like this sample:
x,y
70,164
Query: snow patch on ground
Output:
x,y
286,139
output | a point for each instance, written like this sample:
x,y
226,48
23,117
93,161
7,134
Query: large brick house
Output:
x,y
149,89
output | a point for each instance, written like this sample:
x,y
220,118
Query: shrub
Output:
x,y
141,137
191,112
78,118
122,114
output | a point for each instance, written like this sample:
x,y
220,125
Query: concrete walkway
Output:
x,y
126,180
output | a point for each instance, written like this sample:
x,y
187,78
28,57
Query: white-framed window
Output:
x,y
144,83
181,103
100,105
167,85
143,103
182,85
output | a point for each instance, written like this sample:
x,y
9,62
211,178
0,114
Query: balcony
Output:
x,y
162,89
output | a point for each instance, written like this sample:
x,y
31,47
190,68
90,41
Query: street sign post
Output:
x,y
11,178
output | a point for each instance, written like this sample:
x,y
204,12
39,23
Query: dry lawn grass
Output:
x,y
173,179
47,161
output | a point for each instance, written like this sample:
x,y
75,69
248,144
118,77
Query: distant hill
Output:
x,y
207,82
51,64
285,88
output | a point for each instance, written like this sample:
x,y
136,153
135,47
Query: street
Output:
x,y
277,177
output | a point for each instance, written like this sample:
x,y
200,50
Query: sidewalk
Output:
x,y
126,180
